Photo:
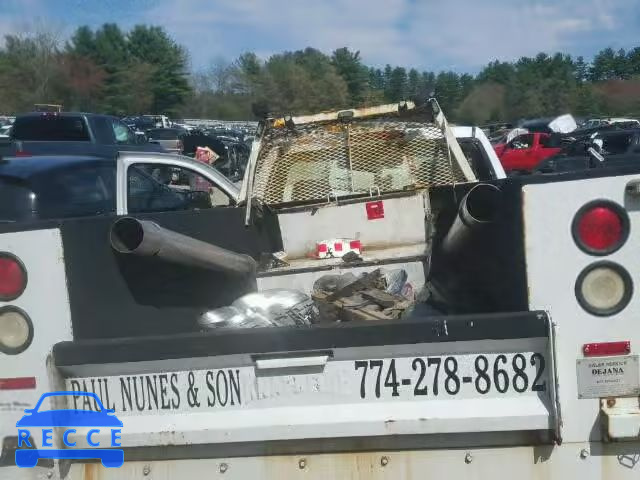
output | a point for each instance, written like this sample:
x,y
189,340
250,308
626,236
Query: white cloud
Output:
x,y
458,34
6,26
271,27
25,17
479,32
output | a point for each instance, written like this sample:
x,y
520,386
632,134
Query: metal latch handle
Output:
x,y
291,362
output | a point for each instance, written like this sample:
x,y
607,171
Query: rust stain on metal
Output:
x,y
369,247
388,424
523,194
342,465
333,115
90,471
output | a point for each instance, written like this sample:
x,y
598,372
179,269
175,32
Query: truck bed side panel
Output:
x,y
401,223
554,262
46,303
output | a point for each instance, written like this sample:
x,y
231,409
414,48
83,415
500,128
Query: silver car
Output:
x,y
168,138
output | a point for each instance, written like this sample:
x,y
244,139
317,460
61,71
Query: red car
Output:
x,y
525,152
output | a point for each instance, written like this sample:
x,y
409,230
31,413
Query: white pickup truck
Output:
x,y
532,371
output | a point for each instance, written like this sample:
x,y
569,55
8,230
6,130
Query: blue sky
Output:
x,y
461,35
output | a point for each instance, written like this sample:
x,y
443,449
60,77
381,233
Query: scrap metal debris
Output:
x,y
278,307
346,297
376,295
351,257
269,261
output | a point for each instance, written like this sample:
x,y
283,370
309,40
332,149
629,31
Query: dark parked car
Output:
x,y
52,133
51,187
233,154
139,123
616,148
585,132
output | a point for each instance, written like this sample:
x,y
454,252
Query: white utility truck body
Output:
x,y
550,390
396,238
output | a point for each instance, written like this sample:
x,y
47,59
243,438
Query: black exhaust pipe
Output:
x,y
148,239
477,209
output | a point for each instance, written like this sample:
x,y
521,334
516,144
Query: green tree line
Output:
x,y
144,70
309,80
106,70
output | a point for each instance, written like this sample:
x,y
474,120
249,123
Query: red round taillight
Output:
x,y
13,277
600,227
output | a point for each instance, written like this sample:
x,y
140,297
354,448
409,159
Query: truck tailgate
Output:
x,y
480,373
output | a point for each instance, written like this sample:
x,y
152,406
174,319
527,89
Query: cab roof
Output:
x,y
63,114
26,167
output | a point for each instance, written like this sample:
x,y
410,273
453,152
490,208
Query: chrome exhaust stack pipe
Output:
x,y
148,239
477,209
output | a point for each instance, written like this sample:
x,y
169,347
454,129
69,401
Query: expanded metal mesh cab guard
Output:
x,y
383,149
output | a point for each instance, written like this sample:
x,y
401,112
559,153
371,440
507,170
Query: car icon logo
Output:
x,y
46,419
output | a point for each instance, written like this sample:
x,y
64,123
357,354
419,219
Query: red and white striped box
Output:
x,y
337,247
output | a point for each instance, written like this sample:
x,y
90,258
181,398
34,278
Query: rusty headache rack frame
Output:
x,y
370,150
